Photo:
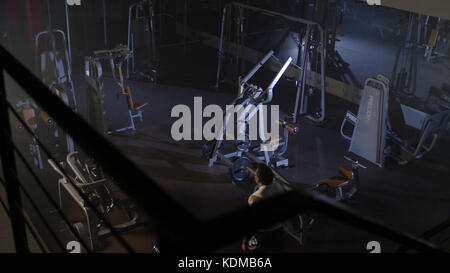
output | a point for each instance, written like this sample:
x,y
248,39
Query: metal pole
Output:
x,y
280,73
220,52
10,175
49,15
237,37
413,76
303,50
306,59
323,78
151,17
69,46
241,37
185,24
333,35
161,9
104,24
130,14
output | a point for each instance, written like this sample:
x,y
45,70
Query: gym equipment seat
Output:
x,y
134,109
338,182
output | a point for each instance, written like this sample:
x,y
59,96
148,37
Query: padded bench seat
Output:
x,y
339,181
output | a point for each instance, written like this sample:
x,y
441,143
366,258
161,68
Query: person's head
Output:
x,y
263,175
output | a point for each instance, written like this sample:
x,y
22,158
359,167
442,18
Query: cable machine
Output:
x,y
311,59
143,60
54,66
404,73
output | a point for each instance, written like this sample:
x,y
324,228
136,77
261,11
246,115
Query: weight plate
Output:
x,y
243,145
239,171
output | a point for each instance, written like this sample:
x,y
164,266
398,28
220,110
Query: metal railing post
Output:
x,y
10,174
105,27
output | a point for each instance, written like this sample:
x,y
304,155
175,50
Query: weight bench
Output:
x,y
338,182
347,179
385,128
134,110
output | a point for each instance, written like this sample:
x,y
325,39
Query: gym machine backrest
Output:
x,y
369,135
96,95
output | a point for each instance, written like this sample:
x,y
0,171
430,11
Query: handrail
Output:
x,y
129,177
27,222
182,231
290,204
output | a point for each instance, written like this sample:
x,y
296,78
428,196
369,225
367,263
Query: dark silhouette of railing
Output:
x,y
178,231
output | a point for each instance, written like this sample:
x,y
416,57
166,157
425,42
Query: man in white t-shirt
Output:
x,y
265,189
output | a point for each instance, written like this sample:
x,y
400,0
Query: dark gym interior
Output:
x,y
94,159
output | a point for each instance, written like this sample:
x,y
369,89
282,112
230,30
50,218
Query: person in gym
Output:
x,y
269,240
266,187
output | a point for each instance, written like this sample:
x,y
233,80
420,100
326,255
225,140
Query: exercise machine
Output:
x,y
311,60
310,101
141,41
53,64
94,184
404,73
54,67
94,77
385,128
246,148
